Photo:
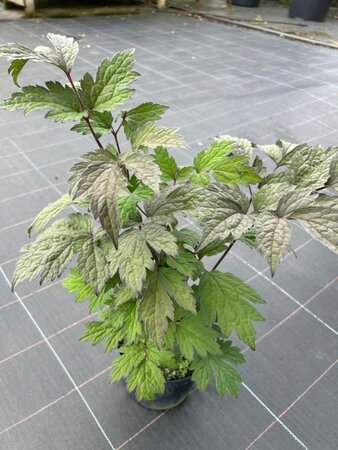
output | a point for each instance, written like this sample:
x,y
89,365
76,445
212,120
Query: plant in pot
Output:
x,y
141,228
315,10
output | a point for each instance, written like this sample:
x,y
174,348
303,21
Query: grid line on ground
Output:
x,y
71,379
277,418
286,293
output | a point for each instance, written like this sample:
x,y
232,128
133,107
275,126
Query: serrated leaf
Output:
x,y
167,164
184,173
132,259
273,237
309,167
101,123
188,236
137,117
224,213
234,169
74,283
49,212
15,69
123,295
147,380
178,289
214,248
110,86
144,168
321,220
185,263
48,256
332,182
226,297
66,50
300,198
281,151
181,199
201,179
93,261
128,210
269,195
139,364
106,188
60,101
240,146
156,307
63,55
152,137
160,239
193,337
210,158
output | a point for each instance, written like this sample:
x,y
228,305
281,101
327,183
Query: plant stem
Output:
x,y
85,118
224,255
141,210
114,133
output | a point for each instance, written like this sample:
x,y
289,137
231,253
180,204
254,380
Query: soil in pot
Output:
x,y
250,3
315,10
175,392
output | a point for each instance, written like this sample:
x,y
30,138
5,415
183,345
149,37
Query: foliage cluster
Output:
x,y
132,260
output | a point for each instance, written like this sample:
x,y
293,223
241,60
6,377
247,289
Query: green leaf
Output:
x,y
160,239
139,364
184,173
309,167
214,248
92,261
227,377
240,146
60,101
101,123
74,283
269,195
281,151
210,158
178,289
300,198
15,69
273,237
132,259
188,236
110,86
156,307
128,210
48,256
181,199
201,179
49,212
193,337
226,298
332,182
234,170
106,188
167,164
147,380
144,167
321,220
224,213
137,117
152,136
186,263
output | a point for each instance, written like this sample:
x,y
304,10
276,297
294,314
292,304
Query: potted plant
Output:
x,y
315,10
133,258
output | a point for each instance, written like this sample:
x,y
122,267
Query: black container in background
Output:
x,y
176,391
251,3
315,10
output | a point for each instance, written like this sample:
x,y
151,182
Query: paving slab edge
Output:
x,y
250,26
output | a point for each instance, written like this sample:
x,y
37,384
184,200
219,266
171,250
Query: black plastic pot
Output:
x,y
175,392
250,3
315,10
